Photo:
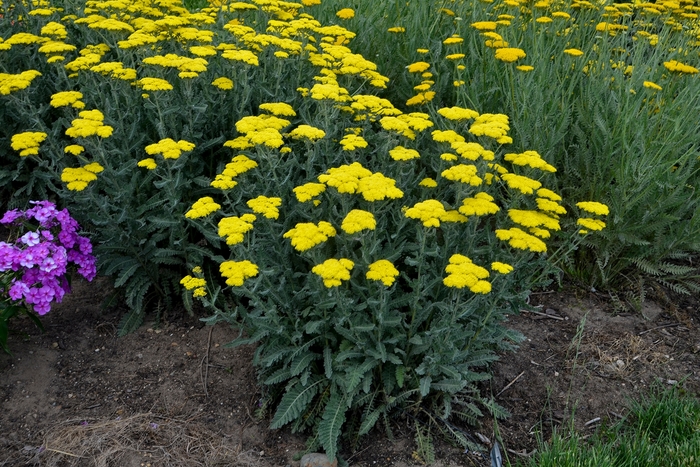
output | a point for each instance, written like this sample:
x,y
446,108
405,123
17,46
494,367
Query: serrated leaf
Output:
x,y
302,362
400,371
331,423
294,402
425,385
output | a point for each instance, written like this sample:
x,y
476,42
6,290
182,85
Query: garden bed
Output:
x,y
78,395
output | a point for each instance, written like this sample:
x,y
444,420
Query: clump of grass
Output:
x,y
662,429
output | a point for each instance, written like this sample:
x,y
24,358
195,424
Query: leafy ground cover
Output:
x,y
84,391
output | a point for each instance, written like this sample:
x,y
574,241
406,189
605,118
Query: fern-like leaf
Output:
x,y
294,402
331,423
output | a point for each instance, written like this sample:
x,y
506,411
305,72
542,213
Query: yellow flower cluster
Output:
x,y
223,83
66,98
78,179
463,173
10,83
354,178
259,130
351,142
492,125
27,143
265,206
400,153
195,283
480,204
238,165
346,13
89,124
678,67
280,109
429,212
525,185
234,227
458,113
383,271
306,235
74,149
334,271
509,54
307,132
588,223
358,220
501,268
308,191
533,219
169,148
202,208
154,84
462,272
521,240
148,163
530,159
115,70
407,124
188,67
236,272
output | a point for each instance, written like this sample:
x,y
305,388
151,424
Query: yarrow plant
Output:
x,y
35,268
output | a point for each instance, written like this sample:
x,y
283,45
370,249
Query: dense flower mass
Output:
x,y
236,272
27,143
383,271
306,235
39,260
462,272
358,220
334,271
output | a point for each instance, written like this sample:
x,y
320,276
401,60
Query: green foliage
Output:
x,y
662,429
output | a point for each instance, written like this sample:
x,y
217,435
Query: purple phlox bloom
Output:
x,y
8,254
30,238
17,290
11,216
43,211
46,234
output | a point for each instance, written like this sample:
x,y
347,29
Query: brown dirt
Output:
x,y
78,395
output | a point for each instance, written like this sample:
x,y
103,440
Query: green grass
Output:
x,y
663,429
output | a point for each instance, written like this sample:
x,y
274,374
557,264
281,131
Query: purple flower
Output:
x,y
30,238
17,290
11,216
8,254
43,211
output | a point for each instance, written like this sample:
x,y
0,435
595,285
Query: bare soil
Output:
x,y
172,394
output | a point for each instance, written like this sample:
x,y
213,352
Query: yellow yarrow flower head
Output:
x,y
463,173
501,268
334,271
66,98
484,25
78,179
525,185
306,235
195,283
509,54
345,13
530,159
480,204
358,220
521,240
591,224
74,149
383,271
428,183
307,132
528,218
525,68
573,52
549,194
236,272
202,208
223,83
265,206
169,148
678,67
279,108
308,191
594,207
400,153
652,85
418,67
148,163
458,113
351,142
27,143
346,178
397,29
453,40
378,187
462,272
429,212
233,228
